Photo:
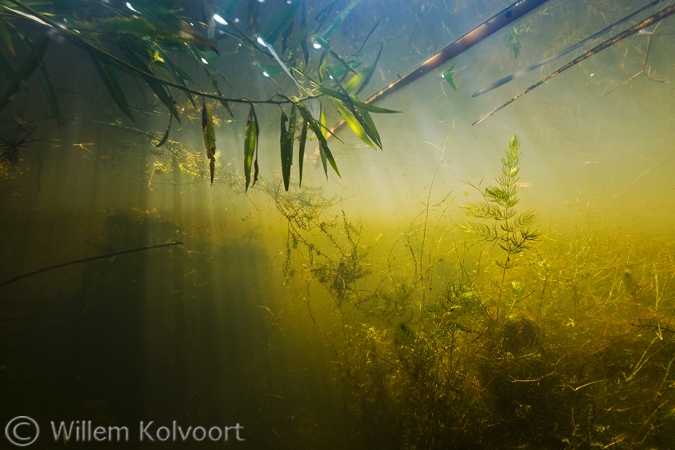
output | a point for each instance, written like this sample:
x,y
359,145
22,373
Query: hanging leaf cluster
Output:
x,y
146,40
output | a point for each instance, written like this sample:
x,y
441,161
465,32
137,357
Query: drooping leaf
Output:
x,y
323,63
359,121
370,128
324,44
110,81
372,30
6,39
175,71
358,104
250,144
214,82
157,87
353,81
324,127
319,133
286,144
301,148
447,75
352,122
337,21
372,108
209,135
25,70
166,133
371,71
45,80
270,47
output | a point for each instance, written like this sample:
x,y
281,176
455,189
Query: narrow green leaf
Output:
x,y
286,151
358,104
6,39
166,133
322,42
214,82
337,21
322,122
174,70
25,70
323,64
373,108
270,47
250,145
157,23
110,81
209,135
301,147
359,121
318,130
370,128
45,80
352,122
371,71
447,75
157,87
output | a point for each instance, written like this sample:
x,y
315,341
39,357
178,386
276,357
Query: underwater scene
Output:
x,y
329,224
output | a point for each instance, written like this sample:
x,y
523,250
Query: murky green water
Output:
x,y
355,311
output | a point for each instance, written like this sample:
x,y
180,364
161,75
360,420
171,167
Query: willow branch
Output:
x,y
129,67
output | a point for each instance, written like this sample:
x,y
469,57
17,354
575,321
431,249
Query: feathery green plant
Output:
x,y
510,229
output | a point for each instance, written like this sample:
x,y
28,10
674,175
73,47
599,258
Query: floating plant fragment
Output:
x,y
447,75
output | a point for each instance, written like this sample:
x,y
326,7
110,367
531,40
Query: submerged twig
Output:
x,y
91,258
495,23
665,12
520,73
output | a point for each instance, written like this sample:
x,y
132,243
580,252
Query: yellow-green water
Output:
x,y
382,324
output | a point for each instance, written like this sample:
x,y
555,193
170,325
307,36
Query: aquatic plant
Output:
x,y
427,355
510,230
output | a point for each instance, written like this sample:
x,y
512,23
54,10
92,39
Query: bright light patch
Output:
x,y
316,45
219,19
204,61
261,42
131,8
266,74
